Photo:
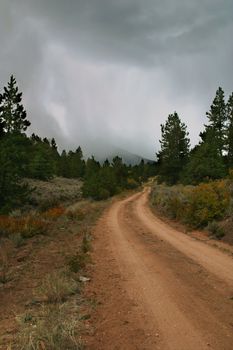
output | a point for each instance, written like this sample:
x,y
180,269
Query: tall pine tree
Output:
x,y
174,152
217,120
12,112
230,130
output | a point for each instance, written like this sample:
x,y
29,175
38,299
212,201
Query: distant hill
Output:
x,y
128,157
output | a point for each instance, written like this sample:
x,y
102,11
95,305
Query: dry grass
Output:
x,y
55,327
27,226
54,213
5,252
52,322
56,287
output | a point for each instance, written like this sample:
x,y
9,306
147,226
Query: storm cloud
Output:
x,y
104,73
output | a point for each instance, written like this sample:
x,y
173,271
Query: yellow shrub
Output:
x,y
195,206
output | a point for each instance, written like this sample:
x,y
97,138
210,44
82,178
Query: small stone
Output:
x,y
84,279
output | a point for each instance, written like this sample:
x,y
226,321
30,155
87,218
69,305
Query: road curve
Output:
x,y
159,288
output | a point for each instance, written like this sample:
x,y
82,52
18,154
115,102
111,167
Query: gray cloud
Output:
x,y
99,72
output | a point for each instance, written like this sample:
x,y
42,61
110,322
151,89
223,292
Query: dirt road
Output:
x,y
157,288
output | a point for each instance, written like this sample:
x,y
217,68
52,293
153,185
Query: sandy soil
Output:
x,y
157,288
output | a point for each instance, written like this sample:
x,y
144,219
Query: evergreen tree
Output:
x,y
41,168
12,113
217,120
106,163
230,130
92,167
63,165
174,152
54,144
13,167
120,171
205,162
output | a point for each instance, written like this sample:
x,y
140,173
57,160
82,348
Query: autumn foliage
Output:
x,y
193,205
26,226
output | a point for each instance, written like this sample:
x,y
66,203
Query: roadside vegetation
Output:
x,y
201,206
48,263
194,186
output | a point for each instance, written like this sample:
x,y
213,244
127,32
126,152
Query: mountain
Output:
x,y
111,152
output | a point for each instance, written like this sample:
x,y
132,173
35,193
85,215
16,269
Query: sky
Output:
x,y
106,73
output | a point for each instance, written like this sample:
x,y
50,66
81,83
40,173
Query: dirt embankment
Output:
x,y
157,288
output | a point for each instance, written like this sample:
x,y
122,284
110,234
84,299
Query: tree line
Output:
x,y
23,156
211,159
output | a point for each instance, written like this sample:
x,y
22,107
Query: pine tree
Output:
x,y
13,167
54,144
12,113
205,162
230,130
174,152
63,165
217,120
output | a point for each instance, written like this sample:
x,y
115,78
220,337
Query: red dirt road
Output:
x,y
158,288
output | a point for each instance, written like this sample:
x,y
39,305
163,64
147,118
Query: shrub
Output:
x,y
78,214
195,206
215,229
207,202
131,184
103,194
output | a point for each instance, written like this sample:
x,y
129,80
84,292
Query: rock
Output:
x,y
84,279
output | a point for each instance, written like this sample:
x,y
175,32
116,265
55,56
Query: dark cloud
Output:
x,y
110,70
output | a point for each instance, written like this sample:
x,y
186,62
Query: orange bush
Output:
x,y
54,213
26,226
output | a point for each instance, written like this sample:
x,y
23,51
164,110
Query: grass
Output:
x,y
56,287
53,328
28,226
53,321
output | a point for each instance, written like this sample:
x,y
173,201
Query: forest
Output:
x,y
23,156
